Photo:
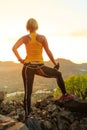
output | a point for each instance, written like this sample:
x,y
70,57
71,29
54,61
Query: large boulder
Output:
x,y
73,104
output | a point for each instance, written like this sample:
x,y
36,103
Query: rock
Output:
x,y
18,126
48,114
75,105
2,96
41,103
33,124
52,107
24,127
47,125
6,122
63,123
76,126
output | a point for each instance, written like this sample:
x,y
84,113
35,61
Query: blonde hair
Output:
x,y
31,25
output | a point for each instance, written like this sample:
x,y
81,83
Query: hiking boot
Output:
x,y
67,96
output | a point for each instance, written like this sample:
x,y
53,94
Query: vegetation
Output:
x,y
75,84
17,97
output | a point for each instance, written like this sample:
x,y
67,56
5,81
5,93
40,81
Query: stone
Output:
x,y
6,122
50,115
18,126
2,95
76,126
74,105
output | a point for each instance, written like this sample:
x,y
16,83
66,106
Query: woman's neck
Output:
x,y
32,31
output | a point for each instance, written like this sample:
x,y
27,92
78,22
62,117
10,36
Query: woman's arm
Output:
x,y
15,47
48,51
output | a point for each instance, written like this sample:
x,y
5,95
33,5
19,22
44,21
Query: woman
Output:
x,y
34,63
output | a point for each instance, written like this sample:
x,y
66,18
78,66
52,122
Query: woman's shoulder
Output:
x,y
40,37
25,38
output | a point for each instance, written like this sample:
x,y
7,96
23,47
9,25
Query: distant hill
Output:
x,y
11,79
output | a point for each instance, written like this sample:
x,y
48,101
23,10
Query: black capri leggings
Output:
x,y
28,73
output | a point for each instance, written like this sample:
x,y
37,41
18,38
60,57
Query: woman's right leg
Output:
x,y
28,78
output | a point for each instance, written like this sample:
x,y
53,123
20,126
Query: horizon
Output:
x,y
17,62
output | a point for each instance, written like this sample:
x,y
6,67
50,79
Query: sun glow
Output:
x,y
58,21
62,47
73,48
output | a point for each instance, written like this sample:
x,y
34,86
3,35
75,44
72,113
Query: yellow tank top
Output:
x,y
34,50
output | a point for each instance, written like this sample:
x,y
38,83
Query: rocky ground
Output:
x,y
47,114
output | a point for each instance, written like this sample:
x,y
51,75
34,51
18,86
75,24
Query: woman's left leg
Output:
x,y
52,73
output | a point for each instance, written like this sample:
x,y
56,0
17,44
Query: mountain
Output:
x,y
11,78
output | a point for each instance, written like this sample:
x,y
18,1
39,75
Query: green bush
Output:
x,y
75,84
56,92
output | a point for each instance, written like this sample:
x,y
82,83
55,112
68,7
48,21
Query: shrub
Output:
x,y
75,84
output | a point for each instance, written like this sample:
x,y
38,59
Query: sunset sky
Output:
x,y
63,22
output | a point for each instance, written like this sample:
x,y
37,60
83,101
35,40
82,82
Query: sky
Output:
x,y
63,22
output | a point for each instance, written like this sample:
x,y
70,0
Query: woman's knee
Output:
x,y
59,73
